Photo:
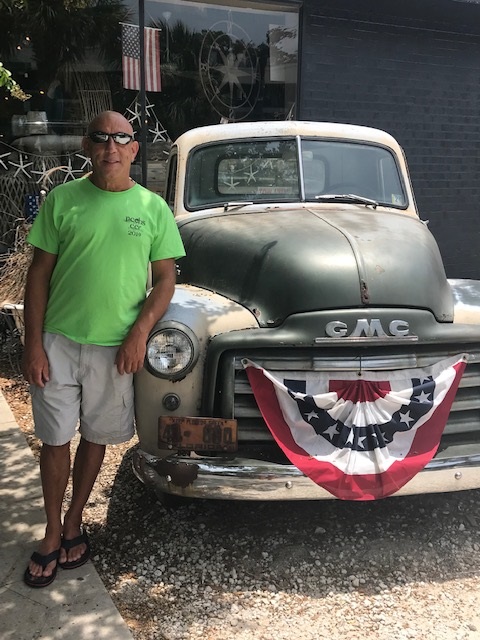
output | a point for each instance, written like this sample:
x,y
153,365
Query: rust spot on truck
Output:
x,y
364,292
179,474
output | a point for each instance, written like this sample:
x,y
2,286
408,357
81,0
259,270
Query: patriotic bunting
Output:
x,y
360,436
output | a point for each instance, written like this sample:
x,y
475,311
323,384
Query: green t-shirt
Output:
x,y
104,241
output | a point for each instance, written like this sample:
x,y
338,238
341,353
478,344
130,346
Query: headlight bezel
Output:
x,y
179,327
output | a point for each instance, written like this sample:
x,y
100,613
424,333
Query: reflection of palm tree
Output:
x,y
61,32
181,103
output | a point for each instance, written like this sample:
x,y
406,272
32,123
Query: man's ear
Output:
x,y
135,148
85,145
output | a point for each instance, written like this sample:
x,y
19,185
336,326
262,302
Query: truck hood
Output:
x,y
277,263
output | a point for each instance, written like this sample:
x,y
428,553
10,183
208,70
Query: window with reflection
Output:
x,y
339,168
255,171
215,62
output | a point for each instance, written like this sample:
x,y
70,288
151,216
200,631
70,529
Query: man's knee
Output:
x,y
55,451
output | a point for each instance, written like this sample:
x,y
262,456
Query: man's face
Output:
x,y
110,160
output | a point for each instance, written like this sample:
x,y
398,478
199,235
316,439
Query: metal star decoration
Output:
x,y
251,175
136,115
21,166
86,161
158,133
148,105
69,170
231,71
4,155
43,174
230,183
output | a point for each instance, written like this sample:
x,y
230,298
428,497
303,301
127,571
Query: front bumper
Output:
x,y
246,479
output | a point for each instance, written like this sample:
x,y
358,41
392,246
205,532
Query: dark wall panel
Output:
x,y
412,69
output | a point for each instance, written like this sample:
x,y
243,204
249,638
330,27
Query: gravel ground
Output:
x,y
401,568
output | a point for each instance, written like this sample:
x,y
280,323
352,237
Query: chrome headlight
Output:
x,y
172,351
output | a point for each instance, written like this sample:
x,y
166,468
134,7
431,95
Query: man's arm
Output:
x,y
131,353
35,363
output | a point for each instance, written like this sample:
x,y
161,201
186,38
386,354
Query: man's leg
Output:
x,y
106,415
88,461
54,471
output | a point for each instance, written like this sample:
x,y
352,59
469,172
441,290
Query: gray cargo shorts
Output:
x,y
84,389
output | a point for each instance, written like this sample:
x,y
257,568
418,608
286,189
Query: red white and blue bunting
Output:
x,y
361,436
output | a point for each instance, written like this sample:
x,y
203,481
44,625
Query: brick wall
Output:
x,y
412,69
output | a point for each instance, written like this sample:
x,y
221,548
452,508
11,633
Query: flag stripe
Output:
x,y
152,60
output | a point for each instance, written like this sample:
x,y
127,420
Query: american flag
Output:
x,y
31,206
131,58
360,439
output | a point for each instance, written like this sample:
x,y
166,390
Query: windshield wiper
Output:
x,y
235,205
346,197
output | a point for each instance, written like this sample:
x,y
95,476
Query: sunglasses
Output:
x,y
100,137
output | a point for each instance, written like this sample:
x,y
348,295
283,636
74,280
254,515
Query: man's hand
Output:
x,y
35,367
131,354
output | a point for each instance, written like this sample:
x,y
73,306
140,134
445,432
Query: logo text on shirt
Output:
x,y
134,225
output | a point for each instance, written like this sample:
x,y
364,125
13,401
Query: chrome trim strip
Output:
x,y
247,479
371,340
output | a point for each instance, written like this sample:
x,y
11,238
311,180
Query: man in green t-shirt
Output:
x,y
86,324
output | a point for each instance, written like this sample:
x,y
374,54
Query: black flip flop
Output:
x,y
69,544
41,581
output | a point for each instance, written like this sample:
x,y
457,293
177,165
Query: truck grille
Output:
x,y
463,423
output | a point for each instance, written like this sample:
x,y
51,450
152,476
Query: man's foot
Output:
x,y
48,573
78,558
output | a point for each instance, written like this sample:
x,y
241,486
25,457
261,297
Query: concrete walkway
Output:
x,y
76,606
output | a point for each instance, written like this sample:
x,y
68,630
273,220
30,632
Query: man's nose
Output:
x,y
110,144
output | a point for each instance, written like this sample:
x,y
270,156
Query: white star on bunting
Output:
x,y
332,430
406,418
423,397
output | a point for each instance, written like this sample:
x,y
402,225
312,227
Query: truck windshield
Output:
x,y
269,171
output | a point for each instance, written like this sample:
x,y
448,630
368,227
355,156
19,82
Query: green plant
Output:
x,y
7,81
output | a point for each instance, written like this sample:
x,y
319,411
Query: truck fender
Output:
x,y
466,296
206,314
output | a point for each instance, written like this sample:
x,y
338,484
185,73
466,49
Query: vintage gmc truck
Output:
x,y
314,347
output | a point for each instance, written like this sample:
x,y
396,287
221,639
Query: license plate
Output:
x,y
197,434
